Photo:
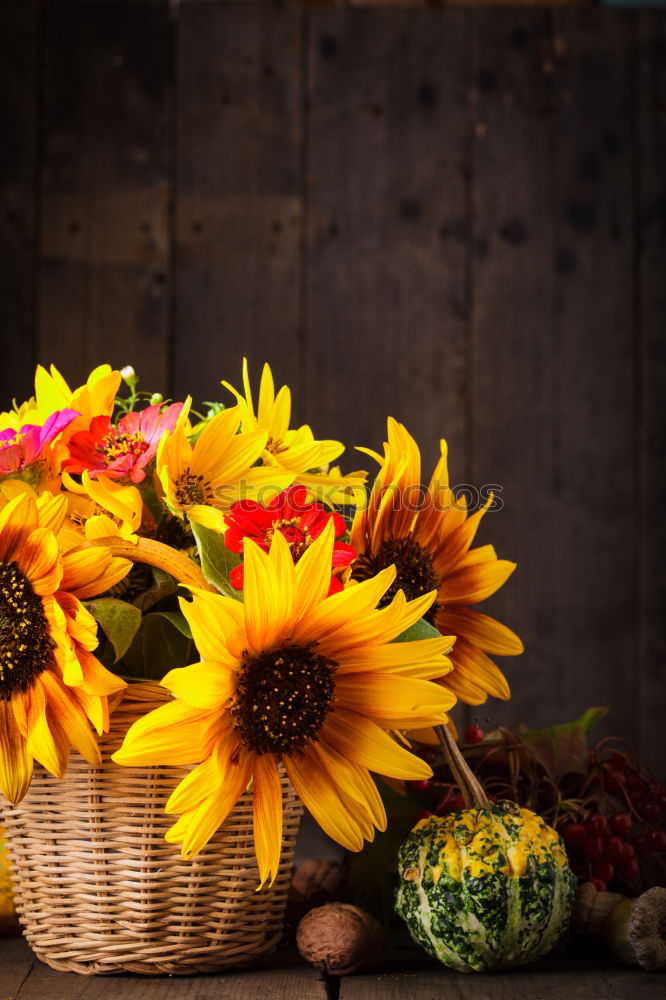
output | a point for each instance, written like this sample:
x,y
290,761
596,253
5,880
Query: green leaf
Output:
x,y
159,645
178,621
163,585
562,749
419,630
217,561
119,621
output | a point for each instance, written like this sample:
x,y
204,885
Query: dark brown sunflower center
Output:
x,y
282,699
26,647
191,489
414,570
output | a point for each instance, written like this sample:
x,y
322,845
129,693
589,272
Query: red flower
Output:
x,y
300,523
125,451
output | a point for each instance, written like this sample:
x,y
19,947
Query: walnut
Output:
x,y
339,938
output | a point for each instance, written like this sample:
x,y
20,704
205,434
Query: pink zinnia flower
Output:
x,y
19,449
125,451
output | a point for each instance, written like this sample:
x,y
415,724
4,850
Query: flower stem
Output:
x,y
471,789
147,550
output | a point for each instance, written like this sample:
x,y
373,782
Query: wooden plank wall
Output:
x,y
453,216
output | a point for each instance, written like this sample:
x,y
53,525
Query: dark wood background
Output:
x,y
454,216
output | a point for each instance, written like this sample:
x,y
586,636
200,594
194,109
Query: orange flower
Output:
x,y
429,541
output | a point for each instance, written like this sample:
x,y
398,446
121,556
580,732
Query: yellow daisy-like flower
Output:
x,y
428,539
295,677
51,685
218,468
99,508
93,399
295,451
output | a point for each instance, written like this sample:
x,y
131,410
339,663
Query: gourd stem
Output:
x,y
471,789
147,550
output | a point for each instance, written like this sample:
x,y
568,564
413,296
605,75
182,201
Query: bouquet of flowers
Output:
x,y
300,621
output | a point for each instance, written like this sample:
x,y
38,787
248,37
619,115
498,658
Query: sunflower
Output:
x,y
428,539
295,677
217,468
51,685
295,451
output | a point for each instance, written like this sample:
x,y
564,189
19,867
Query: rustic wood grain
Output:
x,y
552,348
597,360
513,402
16,962
104,276
19,110
555,979
651,87
238,195
386,277
22,977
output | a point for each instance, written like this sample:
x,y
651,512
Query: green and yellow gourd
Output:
x,y
486,887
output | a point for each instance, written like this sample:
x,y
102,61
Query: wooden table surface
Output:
x,y
23,977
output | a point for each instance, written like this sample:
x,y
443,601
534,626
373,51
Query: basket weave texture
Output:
x,y
99,890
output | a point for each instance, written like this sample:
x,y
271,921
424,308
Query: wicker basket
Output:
x,y
99,890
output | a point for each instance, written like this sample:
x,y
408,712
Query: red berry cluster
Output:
x,y
609,844
600,850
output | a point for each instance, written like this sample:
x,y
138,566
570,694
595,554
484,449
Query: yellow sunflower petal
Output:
x,y
15,761
474,583
17,519
95,708
65,712
28,706
211,616
173,734
314,787
97,680
341,609
366,744
205,779
481,630
261,598
353,781
92,571
52,511
207,685
280,556
467,659
313,571
387,696
52,753
208,517
39,560
425,653
206,819
267,813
